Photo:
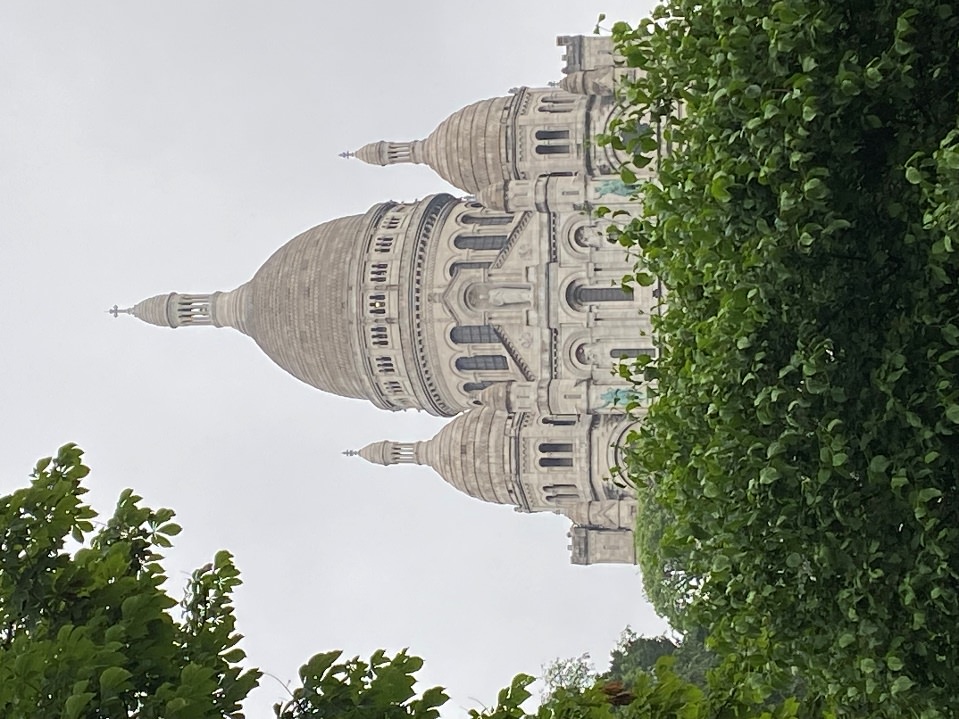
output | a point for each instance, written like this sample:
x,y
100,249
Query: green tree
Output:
x,y
799,462
90,633
573,674
634,653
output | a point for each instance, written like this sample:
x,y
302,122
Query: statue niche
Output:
x,y
488,296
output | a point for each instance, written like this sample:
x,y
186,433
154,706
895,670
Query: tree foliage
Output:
x,y
572,674
800,455
90,633
355,689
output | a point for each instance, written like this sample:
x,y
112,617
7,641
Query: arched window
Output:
x,y
378,272
383,244
561,491
552,149
473,334
472,219
379,336
482,362
552,134
476,386
480,242
578,295
385,365
377,304
559,421
555,461
632,352
457,266
555,447
556,104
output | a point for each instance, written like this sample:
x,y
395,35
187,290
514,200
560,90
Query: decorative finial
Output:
x,y
350,452
347,155
552,83
116,311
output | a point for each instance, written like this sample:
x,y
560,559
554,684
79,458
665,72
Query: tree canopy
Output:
x,y
798,465
87,631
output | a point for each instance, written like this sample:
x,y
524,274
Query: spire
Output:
x,y
387,453
116,311
392,153
219,309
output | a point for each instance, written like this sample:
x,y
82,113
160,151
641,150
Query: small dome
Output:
x,y
472,454
468,149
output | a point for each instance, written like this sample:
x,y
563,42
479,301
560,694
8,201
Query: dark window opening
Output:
x,y
468,334
476,386
552,134
552,149
632,352
580,295
559,421
482,362
555,447
480,242
487,219
556,462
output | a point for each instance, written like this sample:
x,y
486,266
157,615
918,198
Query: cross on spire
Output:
x,y
347,155
116,311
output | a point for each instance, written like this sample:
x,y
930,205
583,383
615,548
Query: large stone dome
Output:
x,y
302,305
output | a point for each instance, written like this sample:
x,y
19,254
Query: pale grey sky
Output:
x,y
146,148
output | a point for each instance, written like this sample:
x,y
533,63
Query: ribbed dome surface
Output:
x,y
300,306
468,149
471,453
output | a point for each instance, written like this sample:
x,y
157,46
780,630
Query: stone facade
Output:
x,y
502,308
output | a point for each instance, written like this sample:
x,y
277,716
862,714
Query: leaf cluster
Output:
x,y
383,687
800,452
90,633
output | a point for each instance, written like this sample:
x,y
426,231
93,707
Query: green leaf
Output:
x,y
768,475
846,639
901,684
952,413
878,464
928,494
793,560
112,680
318,665
177,704
74,705
717,188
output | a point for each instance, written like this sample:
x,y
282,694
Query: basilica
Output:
x,y
502,308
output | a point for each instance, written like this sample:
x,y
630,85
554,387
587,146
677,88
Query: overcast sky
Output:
x,y
151,147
